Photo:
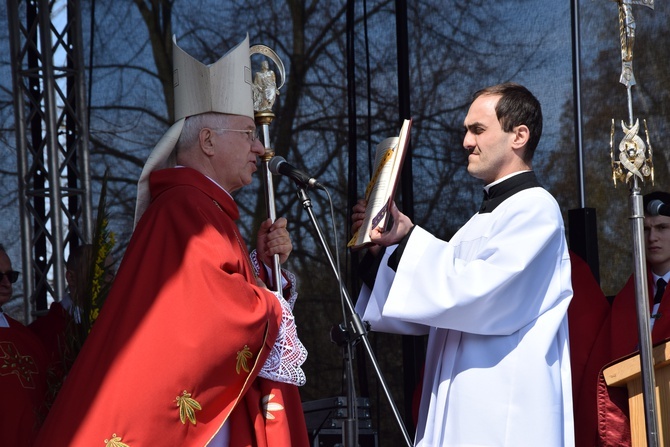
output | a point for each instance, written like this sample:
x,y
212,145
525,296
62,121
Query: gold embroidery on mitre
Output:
x,y
115,442
242,357
187,407
269,407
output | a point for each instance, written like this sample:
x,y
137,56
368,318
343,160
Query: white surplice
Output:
x,y
494,302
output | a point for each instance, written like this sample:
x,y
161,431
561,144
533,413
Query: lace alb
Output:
x,y
288,353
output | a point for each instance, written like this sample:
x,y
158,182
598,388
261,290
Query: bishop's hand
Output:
x,y
273,238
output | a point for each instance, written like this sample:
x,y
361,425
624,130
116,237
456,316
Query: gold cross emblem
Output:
x,y
12,362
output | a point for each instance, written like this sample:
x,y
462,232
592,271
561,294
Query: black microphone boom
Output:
x,y
658,208
279,166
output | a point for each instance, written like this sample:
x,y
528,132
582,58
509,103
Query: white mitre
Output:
x,y
224,87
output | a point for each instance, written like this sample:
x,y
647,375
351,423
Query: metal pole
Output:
x,y
633,165
577,98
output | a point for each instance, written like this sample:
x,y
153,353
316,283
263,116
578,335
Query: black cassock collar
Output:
x,y
502,191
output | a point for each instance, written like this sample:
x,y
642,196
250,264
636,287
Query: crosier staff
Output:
x,y
265,91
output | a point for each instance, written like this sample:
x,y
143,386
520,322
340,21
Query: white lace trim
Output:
x,y
288,353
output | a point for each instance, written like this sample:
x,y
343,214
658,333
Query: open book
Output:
x,y
381,189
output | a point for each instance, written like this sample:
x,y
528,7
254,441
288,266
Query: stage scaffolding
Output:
x,y
52,141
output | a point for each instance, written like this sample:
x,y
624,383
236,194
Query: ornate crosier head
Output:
x,y
265,88
634,160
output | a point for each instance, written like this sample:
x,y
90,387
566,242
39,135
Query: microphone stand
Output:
x,y
354,331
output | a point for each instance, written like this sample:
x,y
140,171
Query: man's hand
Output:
x,y
357,215
401,226
273,238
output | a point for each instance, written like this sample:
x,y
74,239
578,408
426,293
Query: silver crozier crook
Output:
x,y
265,91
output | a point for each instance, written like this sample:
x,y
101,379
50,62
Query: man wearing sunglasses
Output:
x,y
23,375
7,278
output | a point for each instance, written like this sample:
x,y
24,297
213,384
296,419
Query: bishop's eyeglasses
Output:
x,y
251,133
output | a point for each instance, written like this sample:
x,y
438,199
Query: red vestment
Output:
x,y
23,383
182,336
51,330
587,315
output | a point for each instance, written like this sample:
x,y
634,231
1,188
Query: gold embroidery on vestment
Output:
x,y
187,407
12,362
115,442
242,357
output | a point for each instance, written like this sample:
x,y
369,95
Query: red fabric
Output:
x,y
613,423
269,427
587,314
23,374
612,413
624,318
182,310
50,329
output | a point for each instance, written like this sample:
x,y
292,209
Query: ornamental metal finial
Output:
x,y
265,88
633,160
627,37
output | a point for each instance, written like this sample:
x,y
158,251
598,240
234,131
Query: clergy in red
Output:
x,y
23,371
179,354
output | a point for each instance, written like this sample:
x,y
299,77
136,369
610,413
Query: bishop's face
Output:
x,y
236,154
490,148
5,285
657,243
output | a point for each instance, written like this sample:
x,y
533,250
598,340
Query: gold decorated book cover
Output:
x,y
389,157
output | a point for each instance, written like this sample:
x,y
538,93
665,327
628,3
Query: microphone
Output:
x,y
278,165
658,208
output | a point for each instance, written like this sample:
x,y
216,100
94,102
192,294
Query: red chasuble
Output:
x,y
179,343
23,375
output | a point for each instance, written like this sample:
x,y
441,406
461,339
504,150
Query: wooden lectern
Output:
x,y
627,373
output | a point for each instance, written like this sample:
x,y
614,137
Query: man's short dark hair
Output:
x,y
517,106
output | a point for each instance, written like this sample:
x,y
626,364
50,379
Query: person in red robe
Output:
x,y
587,314
621,333
191,348
52,328
23,370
